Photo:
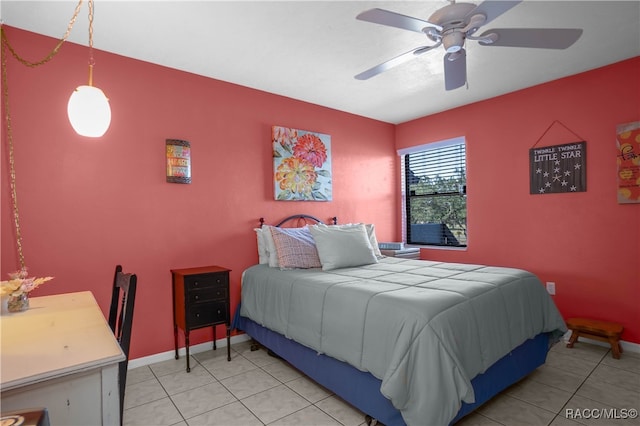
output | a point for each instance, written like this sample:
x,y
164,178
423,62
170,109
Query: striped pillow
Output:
x,y
296,248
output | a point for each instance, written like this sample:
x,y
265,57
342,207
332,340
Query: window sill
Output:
x,y
428,247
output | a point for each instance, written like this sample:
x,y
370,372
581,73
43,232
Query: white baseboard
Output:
x,y
626,346
222,343
630,347
201,347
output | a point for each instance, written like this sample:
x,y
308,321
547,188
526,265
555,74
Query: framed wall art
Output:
x,y
558,169
628,162
301,165
178,161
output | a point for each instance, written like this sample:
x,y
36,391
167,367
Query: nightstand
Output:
x,y
200,299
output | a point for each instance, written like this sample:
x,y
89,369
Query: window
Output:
x,y
435,187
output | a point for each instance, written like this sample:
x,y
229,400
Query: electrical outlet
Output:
x,y
551,288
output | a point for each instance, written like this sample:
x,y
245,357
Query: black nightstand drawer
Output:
x,y
201,298
206,314
196,282
207,295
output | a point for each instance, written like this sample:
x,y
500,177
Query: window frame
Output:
x,y
407,197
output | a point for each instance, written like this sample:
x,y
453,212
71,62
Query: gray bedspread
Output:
x,y
425,329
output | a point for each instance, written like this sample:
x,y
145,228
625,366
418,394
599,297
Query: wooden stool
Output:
x,y
598,330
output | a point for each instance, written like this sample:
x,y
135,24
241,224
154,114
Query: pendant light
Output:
x,y
88,108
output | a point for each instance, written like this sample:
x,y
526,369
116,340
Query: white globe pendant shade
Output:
x,y
89,111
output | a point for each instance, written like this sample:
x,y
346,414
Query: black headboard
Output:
x,y
298,217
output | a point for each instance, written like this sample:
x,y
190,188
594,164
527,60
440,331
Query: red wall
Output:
x,y
87,204
586,242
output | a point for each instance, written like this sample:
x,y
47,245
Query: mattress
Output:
x,y
414,325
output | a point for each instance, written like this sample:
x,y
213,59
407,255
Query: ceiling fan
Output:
x,y
455,23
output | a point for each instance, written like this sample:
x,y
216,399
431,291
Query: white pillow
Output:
x,y
343,246
263,252
271,246
371,233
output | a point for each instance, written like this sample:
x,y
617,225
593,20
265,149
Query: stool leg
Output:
x,y
573,338
615,347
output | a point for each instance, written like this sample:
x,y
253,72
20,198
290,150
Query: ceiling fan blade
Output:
x,y
455,69
392,19
492,9
391,63
542,38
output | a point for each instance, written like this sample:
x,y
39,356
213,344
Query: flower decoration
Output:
x,y
19,283
310,149
302,164
295,176
284,136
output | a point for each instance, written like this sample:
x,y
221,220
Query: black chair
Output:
x,y
121,320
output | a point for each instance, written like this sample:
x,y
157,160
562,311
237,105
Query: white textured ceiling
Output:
x,y
310,50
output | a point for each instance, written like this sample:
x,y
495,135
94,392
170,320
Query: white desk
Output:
x,y
61,354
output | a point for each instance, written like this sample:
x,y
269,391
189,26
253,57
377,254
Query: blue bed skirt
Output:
x,y
362,390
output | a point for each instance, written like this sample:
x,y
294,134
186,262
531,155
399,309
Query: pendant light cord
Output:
x,y
54,52
91,60
5,94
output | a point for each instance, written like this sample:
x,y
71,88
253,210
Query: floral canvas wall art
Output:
x,y
628,144
301,165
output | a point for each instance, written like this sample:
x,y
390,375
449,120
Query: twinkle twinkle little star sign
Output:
x,y
558,169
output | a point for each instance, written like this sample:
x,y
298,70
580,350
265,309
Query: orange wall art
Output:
x,y
628,144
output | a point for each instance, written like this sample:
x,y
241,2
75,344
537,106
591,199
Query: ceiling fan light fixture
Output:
x,y
453,41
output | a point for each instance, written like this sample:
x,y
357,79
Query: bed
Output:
x,y
405,341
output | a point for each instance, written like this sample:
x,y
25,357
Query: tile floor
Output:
x,y
256,389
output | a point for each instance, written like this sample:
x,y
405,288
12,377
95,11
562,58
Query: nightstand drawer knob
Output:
x,y
197,297
198,315
195,284
219,312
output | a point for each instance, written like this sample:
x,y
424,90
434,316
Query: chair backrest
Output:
x,y
121,321
122,304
